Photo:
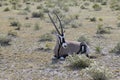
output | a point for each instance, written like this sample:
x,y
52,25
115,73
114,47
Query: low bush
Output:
x,y
116,49
6,9
98,72
39,14
15,24
36,26
97,7
102,30
4,40
93,19
98,49
118,24
46,37
78,62
83,39
12,33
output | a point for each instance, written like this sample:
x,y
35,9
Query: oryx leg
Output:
x,y
88,51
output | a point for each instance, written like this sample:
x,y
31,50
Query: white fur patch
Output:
x,y
64,45
54,58
62,58
88,50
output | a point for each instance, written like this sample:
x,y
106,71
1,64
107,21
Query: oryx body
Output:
x,y
72,47
64,48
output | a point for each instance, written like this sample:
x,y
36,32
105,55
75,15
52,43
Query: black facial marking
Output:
x,y
61,39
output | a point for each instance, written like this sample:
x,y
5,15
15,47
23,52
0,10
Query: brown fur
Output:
x,y
72,47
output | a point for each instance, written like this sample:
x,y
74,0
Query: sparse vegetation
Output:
x,y
74,25
12,33
27,39
93,19
15,24
98,72
6,9
83,39
0,5
4,40
115,5
36,27
97,7
39,14
118,24
102,30
78,62
27,9
40,6
53,31
100,19
116,49
49,46
46,37
56,10
98,49
66,8
27,25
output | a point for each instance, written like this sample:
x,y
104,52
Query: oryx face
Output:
x,y
62,41
60,35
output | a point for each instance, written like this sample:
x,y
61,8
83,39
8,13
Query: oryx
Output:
x,y
64,48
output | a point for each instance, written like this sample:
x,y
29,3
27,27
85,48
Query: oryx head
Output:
x,y
60,35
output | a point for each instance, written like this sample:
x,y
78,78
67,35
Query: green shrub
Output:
x,y
4,40
115,6
27,25
99,73
83,39
66,8
46,37
27,9
15,24
53,31
0,5
78,62
56,10
6,9
48,46
40,7
36,27
116,49
22,13
82,7
74,25
102,30
46,10
104,3
77,16
118,24
50,5
39,14
12,33
97,7
93,19
98,49
100,19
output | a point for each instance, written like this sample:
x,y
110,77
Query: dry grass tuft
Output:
x,y
78,62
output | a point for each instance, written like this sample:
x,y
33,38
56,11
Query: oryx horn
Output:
x,y
53,23
60,23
